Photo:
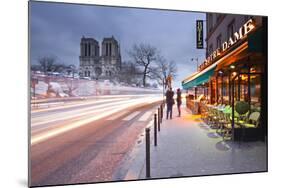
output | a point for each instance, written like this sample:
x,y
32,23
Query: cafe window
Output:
x,y
225,90
246,18
230,29
244,87
219,90
255,89
219,41
210,22
220,17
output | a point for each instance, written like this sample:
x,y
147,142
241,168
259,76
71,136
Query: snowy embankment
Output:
x,y
73,88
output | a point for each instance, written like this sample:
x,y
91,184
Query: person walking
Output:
x,y
179,101
170,102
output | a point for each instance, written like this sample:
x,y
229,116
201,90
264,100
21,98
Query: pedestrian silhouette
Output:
x,y
179,101
170,102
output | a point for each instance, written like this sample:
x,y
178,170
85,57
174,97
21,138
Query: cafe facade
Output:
x,y
235,69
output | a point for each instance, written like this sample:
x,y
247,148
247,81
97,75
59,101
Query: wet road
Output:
x,y
85,141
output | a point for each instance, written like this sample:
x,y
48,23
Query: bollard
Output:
x,y
161,113
147,150
155,129
158,119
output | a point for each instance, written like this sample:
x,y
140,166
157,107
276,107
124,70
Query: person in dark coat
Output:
x,y
170,102
179,101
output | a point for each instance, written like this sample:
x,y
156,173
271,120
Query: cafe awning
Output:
x,y
199,78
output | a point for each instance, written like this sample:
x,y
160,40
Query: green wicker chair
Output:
x,y
253,120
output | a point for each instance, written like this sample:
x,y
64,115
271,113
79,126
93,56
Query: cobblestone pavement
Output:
x,y
189,147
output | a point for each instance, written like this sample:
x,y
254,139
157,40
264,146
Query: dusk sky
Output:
x,y
56,30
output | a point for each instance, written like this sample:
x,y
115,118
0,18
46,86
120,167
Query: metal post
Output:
x,y
163,82
249,86
147,149
233,108
217,90
222,89
161,112
155,129
158,119
229,88
160,115
239,84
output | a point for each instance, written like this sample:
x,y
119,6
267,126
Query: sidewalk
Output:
x,y
189,147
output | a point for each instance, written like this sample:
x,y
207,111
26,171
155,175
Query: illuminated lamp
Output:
x,y
253,69
232,66
244,77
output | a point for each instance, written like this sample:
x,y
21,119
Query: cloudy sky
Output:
x,y
56,30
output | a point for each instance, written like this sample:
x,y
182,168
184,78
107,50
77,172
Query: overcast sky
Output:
x,y
56,30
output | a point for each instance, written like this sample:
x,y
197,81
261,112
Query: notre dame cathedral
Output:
x,y
96,66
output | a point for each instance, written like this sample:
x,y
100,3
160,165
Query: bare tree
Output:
x,y
47,63
71,70
35,67
163,69
144,55
172,69
129,73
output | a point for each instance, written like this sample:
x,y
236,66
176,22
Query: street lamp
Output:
x,y
195,59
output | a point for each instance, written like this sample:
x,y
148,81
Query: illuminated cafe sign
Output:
x,y
199,34
243,31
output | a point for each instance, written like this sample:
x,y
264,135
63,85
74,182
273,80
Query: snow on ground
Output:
x,y
41,88
61,87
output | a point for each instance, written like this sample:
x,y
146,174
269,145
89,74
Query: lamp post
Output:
x,y
195,59
163,82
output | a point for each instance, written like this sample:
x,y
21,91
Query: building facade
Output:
x,y
99,64
235,68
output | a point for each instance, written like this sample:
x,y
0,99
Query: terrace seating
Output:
x,y
220,117
255,108
204,112
223,120
238,120
214,116
253,120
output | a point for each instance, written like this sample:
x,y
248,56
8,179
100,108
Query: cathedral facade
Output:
x,y
96,63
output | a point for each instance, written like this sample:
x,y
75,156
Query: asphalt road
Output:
x,y
85,141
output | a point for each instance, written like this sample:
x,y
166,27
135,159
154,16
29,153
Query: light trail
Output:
x,y
71,114
104,113
73,104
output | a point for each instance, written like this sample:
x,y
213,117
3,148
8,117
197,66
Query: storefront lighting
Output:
x,y
243,77
253,69
232,66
